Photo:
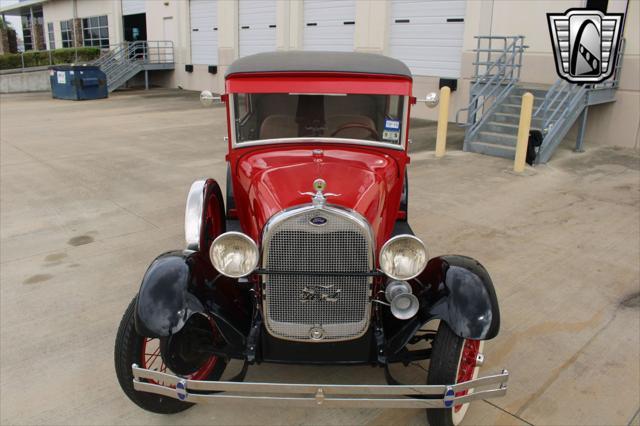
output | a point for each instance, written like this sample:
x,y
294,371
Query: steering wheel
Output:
x,y
346,126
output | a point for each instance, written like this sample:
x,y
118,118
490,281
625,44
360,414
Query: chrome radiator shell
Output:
x,y
315,306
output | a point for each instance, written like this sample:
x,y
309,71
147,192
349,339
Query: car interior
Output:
x,y
281,115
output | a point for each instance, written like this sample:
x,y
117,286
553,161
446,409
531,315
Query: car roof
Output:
x,y
307,61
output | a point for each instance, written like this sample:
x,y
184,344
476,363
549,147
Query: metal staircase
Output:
x,y
493,112
497,70
125,61
565,102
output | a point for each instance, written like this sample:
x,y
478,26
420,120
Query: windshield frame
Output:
x,y
328,140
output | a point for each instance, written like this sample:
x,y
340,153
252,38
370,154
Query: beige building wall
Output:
x,y
372,26
113,10
56,11
170,19
62,10
614,123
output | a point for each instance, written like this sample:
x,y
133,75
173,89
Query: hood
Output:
x,y
270,180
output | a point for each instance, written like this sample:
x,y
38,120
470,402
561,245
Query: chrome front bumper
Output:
x,y
306,395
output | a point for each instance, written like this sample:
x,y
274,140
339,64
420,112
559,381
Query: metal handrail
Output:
x,y
613,83
126,59
490,88
563,96
148,52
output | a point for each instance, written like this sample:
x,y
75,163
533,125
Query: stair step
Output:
x,y
515,108
506,117
512,118
509,108
498,127
492,149
535,90
538,94
497,138
517,100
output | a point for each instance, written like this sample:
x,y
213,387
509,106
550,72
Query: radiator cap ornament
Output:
x,y
319,199
319,185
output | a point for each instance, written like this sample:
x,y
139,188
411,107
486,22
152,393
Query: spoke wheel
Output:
x,y
467,370
132,348
151,359
453,360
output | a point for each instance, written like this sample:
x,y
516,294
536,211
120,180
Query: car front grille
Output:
x,y
314,298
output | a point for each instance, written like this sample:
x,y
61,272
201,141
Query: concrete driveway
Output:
x,y
92,191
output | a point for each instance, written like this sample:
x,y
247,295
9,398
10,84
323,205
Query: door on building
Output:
x,y
257,19
203,17
329,25
135,27
168,34
134,19
134,24
428,36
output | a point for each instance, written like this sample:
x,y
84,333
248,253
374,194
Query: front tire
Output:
x,y
453,360
132,348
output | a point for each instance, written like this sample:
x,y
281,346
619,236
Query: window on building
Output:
x,y
95,31
27,34
51,35
66,28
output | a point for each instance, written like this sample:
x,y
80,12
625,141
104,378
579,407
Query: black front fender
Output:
x,y
456,290
164,301
459,291
179,284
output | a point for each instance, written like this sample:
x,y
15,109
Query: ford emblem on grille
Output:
x,y
318,220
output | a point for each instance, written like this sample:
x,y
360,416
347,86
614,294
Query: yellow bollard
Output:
x,y
443,121
523,132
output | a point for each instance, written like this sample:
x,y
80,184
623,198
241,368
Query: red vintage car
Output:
x,y
309,257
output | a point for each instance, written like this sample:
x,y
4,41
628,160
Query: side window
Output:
x,y
392,123
243,106
244,117
393,105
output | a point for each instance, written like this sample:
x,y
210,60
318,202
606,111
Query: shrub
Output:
x,y
41,58
9,61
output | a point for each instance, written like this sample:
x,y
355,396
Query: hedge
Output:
x,y
41,58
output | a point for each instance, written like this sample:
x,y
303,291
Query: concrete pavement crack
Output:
x,y
635,416
507,412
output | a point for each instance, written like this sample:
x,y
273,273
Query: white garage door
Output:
x,y
133,7
427,35
204,32
257,19
329,24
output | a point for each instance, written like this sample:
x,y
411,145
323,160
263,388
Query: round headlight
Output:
x,y
234,254
403,257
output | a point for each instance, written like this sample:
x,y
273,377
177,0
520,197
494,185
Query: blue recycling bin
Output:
x,y
78,82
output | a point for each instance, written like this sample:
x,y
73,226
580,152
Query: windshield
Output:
x,y
260,116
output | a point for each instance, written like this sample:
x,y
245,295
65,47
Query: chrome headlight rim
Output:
x,y
231,234
389,242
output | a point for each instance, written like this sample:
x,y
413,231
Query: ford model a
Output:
x,y
309,257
